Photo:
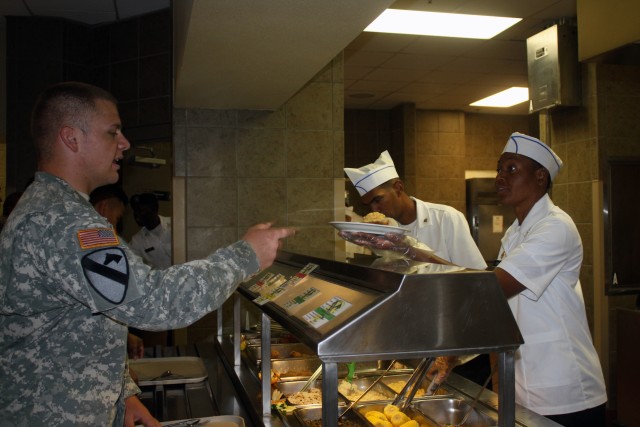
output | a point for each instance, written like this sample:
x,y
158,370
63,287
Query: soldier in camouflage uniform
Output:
x,y
69,287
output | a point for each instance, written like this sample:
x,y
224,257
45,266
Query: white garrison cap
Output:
x,y
535,149
372,175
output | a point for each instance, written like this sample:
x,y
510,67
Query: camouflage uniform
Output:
x,y
69,287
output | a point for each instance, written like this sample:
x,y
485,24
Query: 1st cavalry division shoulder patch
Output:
x,y
97,238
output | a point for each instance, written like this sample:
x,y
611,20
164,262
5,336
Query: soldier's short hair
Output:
x,y
67,103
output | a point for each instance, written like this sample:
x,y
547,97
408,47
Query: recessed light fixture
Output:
x,y
504,99
440,24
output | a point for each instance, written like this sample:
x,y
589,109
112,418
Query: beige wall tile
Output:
x,y
261,119
338,154
211,202
314,240
453,190
427,166
262,200
309,153
179,144
310,201
211,118
261,152
427,189
211,151
204,240
426,121
426,143
450,122
311,108
579,202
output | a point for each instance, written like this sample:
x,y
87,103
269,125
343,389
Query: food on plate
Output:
x,y
312,396
411,423
275,354
376,218
295,354
379,218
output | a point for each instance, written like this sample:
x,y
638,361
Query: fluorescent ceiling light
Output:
x,y
506,98
440,24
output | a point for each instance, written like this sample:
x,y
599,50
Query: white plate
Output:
x,y
362,227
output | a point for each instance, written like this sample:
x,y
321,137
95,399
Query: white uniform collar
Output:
x,y
539,211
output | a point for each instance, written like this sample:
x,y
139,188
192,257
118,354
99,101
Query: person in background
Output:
x,y
558,372
110,201
441,228
153,241
9,204
70,286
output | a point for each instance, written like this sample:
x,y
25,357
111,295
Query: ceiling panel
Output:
x,y
256,54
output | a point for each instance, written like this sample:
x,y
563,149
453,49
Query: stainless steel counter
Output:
x,y
395,310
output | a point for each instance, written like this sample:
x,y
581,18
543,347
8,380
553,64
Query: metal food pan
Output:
x,y
396,382
258,341
358,385
295,369
451,411
311,416
280,351
422,421
290,387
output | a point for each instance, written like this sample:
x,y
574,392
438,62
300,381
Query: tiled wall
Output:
x,y
244,167
130,58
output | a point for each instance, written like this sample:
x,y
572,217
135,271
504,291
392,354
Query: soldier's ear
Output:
x,y
68,136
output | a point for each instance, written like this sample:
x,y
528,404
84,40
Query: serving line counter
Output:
x,y
389,310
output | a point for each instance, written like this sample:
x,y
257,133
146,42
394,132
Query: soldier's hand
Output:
x,y
136,413
265,241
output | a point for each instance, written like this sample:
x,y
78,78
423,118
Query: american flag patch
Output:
x,y
97,237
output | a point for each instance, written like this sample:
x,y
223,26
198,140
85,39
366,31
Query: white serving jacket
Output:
x,y
557,368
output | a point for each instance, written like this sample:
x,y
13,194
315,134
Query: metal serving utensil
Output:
x,y
311,379
475,400
413,384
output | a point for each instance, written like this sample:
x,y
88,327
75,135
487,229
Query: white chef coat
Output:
x,y
557,368
446,231
154,246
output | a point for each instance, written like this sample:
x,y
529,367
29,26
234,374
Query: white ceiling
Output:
x,y
258,53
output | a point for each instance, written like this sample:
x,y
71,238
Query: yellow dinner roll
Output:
x,y
376,414
410,423
398,418
390,410
377,422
